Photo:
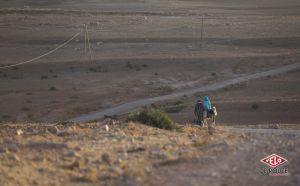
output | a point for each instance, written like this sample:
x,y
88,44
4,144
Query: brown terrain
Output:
x,y
142,49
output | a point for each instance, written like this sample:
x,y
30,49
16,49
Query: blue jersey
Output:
x,y
206,103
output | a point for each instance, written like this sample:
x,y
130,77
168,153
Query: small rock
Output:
x,y
158,155
20,132
38,158
106,128
34,182
119,161
53,130
72,153
105,158
132,140
275,126
14,157
78,163
77,148
115,169
136,149
148,169
65,132
140,138
99,43
214,174
41,169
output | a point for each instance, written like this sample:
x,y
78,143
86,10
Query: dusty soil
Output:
x,y
134,154
140,49
90,154
269,100
238,165
143,49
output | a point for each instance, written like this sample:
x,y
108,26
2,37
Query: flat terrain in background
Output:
x,y
142,49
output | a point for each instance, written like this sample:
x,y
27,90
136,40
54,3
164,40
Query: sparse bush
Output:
x,y
15,68
144,65
52,88
137,68
97,69
255,106
173,107
29,93
92,69
25,109
178,102
54,76
72,68
6,116
213,74
74,97
29,116
129,65
153,117
17,77
44,77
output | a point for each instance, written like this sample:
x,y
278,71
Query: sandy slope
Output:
x,y
133,154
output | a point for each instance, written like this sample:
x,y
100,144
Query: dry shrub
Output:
x,y
153,117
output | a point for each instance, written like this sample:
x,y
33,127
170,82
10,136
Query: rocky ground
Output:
x,y
117,153
95,153
143,49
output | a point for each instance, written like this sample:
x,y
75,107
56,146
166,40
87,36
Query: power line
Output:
x,y
43,55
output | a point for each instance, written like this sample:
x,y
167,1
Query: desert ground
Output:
x,y
141,49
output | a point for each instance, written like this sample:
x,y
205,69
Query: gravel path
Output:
x,y
126,107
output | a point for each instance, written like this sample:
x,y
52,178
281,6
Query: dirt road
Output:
x,y
126,107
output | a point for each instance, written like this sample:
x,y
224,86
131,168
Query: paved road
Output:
x,y
126,107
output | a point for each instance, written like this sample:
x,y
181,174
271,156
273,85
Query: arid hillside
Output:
x,y
114,153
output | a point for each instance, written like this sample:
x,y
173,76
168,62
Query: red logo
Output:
x,y
273,160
